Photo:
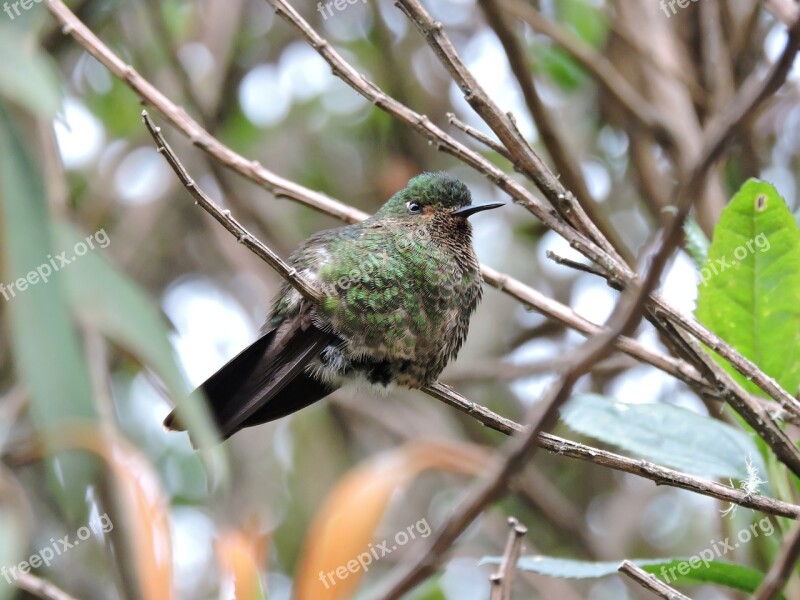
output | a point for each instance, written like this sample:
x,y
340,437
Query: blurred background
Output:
x,y
91,357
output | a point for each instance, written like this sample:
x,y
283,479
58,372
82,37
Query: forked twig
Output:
x,y
503,580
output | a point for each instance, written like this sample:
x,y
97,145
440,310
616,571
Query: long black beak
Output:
x,y
468,211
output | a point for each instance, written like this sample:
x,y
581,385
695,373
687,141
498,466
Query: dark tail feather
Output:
x,y
265,381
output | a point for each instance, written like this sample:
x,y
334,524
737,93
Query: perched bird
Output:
x,y
398,292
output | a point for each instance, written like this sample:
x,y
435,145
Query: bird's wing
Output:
x,y
256,385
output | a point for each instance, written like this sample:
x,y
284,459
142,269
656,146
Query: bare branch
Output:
x,y
308,291
483,139
650,582
612,82
551,136
38,587
782,567
503,580
786,11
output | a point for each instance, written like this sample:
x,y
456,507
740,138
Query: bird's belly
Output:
x,y
414,366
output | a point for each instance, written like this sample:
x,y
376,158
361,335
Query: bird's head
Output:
x,y
432,195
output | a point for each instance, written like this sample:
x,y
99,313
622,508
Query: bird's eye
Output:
x,y
413,208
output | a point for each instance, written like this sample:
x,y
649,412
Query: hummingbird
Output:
x,y
398,291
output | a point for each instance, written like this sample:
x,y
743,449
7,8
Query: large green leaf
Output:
x,y
675,571
666,434
750,284
27,75
47,352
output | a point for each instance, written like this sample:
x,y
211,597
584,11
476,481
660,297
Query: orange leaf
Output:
x,y
240,555
337,548
146,506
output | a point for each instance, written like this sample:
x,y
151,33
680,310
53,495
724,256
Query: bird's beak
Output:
x,y
468,211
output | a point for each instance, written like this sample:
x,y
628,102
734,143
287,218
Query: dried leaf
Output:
x,y
341,533
240,553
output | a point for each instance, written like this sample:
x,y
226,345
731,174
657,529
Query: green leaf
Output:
x,y
696,242
737,577
27,75
558,66
585,19
430,590
47,352
118,109
666,434
110,302
568,568
675,571
751,282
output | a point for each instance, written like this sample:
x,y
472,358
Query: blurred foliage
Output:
x,y
91,362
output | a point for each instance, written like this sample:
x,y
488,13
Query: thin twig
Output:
x,y
604,72
782,567
552,138
650,581
249,241
572,264
280,187
487,370
482,138
41,588
503,580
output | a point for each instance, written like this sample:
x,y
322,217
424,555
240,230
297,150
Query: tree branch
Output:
x,y
782,567
224,218
503,580
650,581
